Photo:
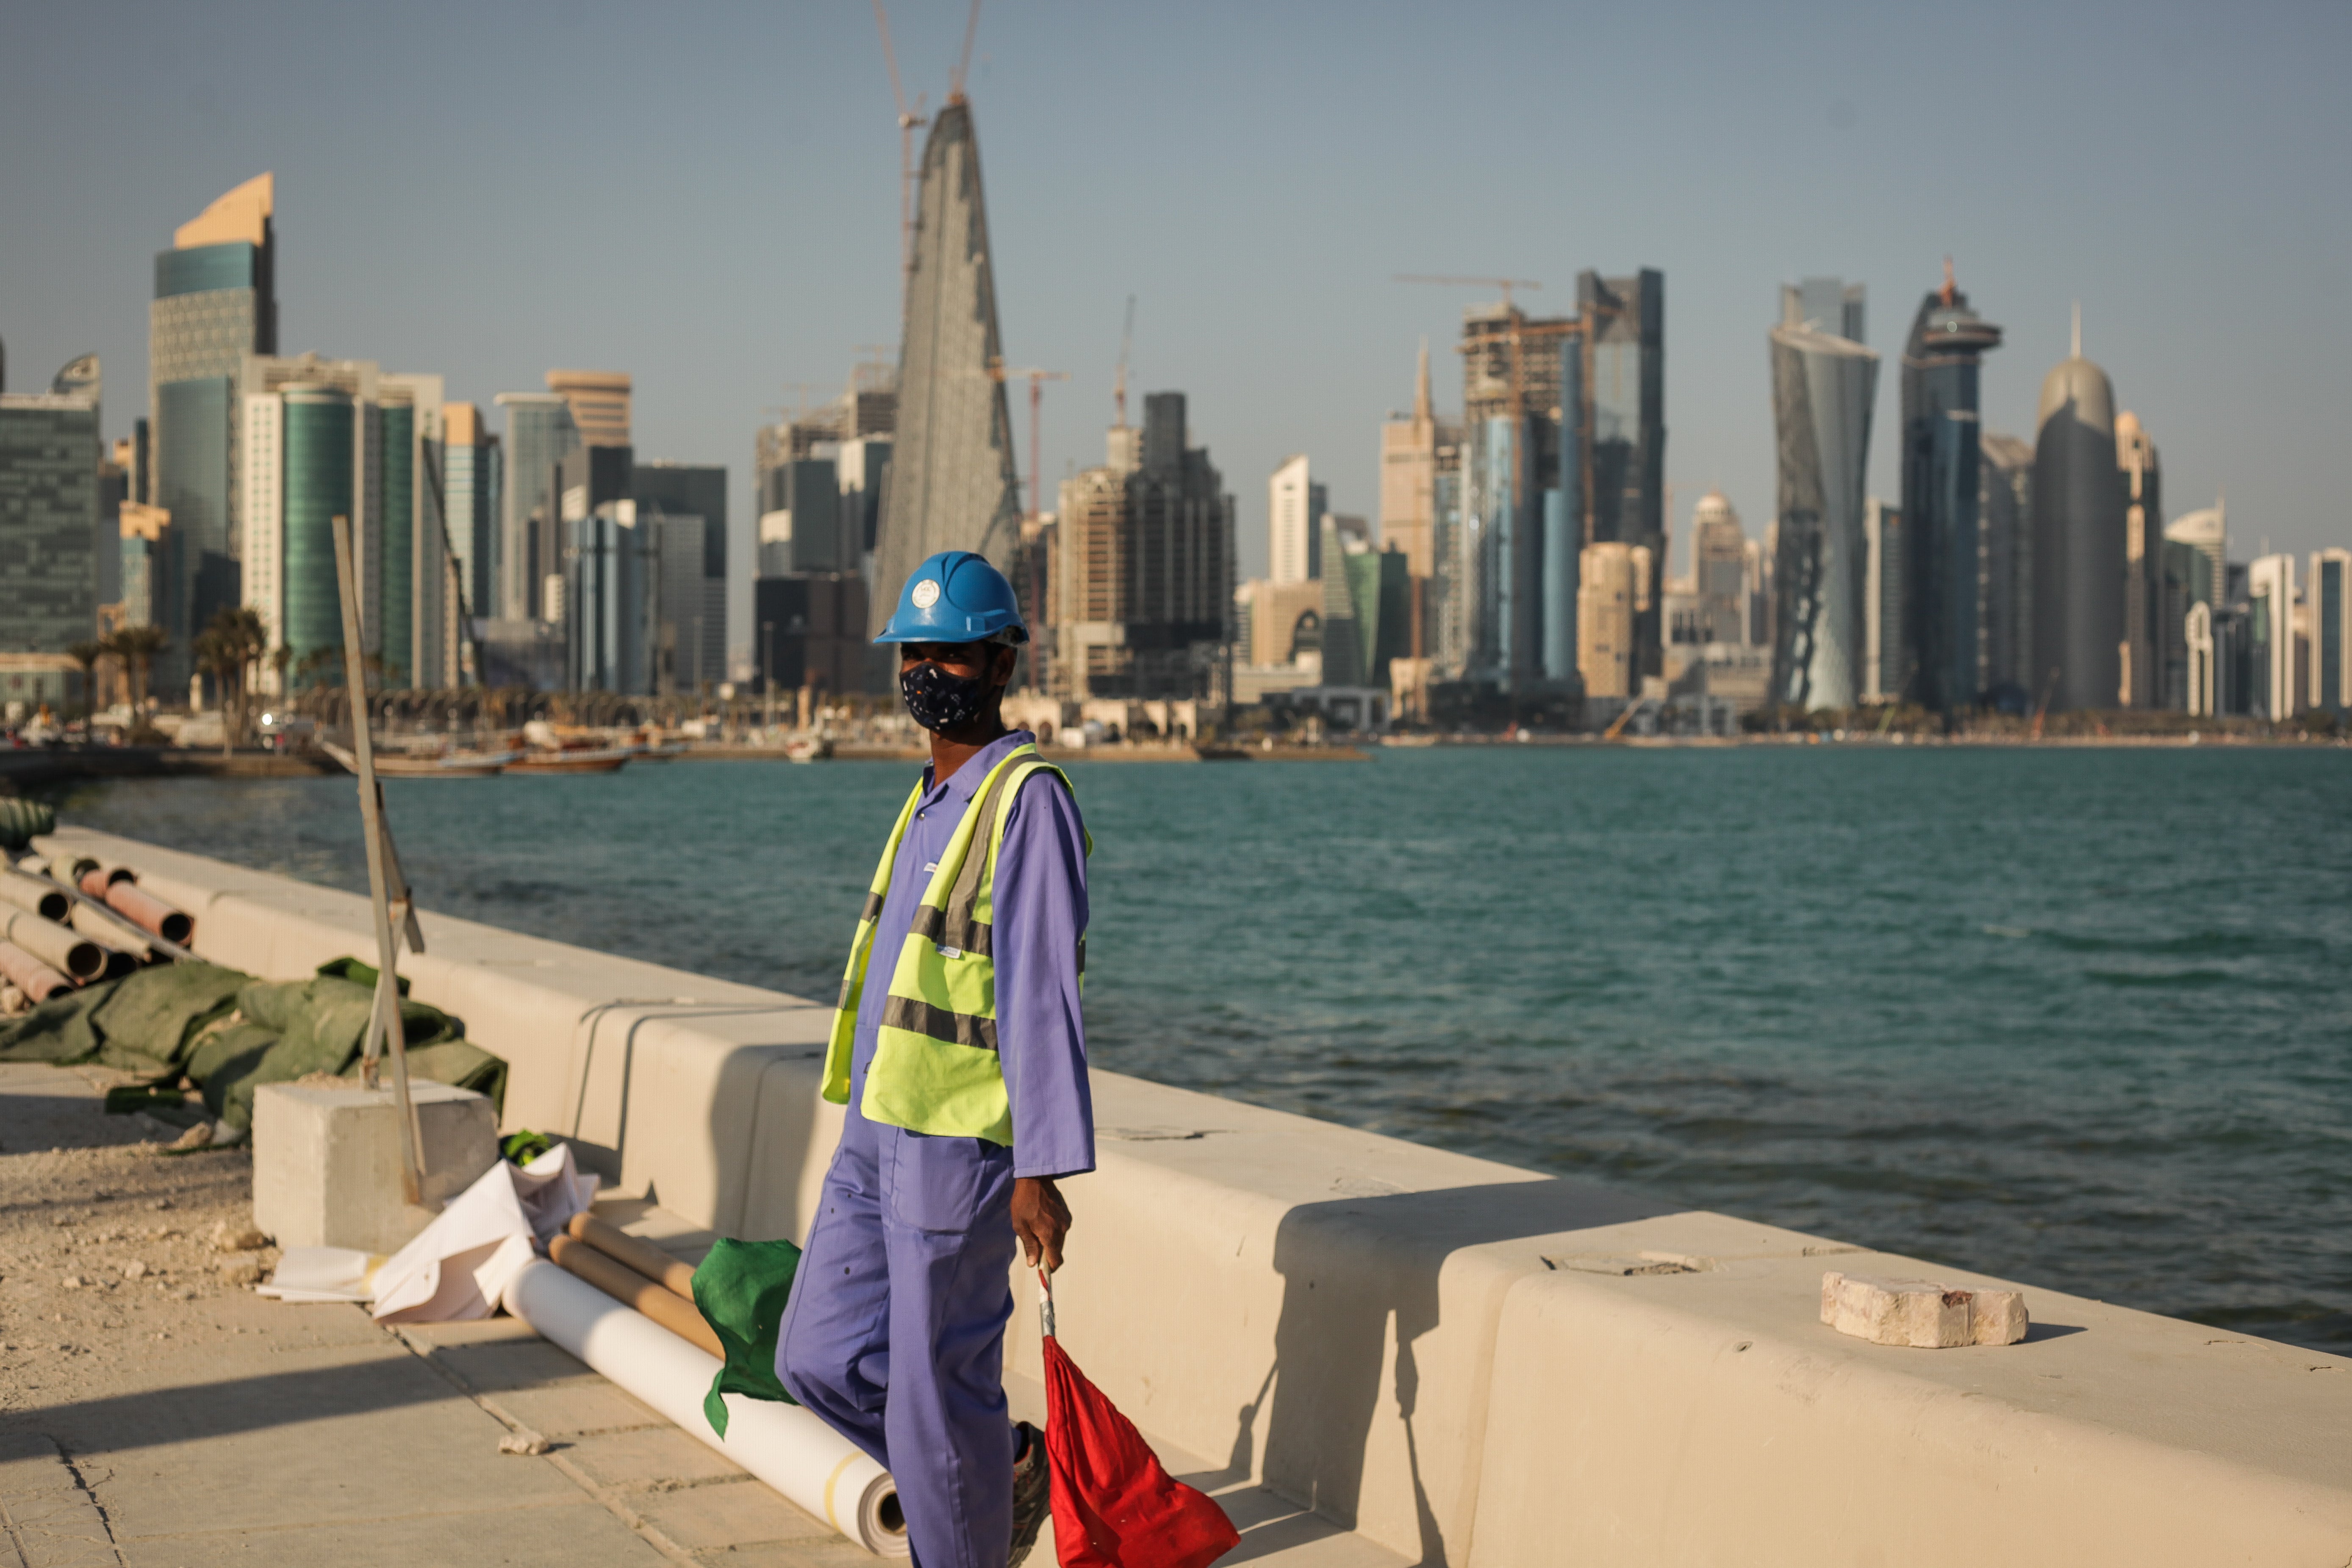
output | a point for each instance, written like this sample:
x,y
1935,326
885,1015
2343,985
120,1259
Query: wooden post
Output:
x,y
386,1016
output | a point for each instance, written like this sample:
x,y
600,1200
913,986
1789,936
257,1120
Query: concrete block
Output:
x,y
1924,1314
326,1162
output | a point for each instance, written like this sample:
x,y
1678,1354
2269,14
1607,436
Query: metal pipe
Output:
x,y
33,894
29,974
53,945
108,934
150,913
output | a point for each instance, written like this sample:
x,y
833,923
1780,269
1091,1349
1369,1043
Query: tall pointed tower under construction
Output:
x,y
952,483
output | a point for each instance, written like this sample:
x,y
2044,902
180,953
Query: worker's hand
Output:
x,y
1041,1219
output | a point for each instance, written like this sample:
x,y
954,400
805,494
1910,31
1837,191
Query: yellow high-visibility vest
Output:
x,y
935,1067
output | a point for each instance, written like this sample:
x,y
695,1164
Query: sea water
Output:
x,y
2079,1018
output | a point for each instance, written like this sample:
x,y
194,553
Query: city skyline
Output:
x,y
1271,366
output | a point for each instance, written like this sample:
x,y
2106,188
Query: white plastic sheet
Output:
x,y
782,1444
458,1267
323,1273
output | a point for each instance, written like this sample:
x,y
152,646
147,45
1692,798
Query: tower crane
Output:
x,y
908,120
1118,377
1036,379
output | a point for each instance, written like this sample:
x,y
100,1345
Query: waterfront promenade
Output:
x,y
1447,1358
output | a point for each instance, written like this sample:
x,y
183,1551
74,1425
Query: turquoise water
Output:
x,y
2081,1017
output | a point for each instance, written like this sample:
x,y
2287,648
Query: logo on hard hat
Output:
x,y
927,593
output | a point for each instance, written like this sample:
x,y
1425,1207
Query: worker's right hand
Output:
x,y
1041,1219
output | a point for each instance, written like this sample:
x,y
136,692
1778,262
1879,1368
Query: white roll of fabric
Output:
x,y
782,1444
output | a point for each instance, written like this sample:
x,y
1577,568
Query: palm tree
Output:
x,y
137,647
87,653
227,650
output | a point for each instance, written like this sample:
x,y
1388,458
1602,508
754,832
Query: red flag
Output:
x,y
1114,1505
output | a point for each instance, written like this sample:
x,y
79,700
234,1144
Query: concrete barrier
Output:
x,y
1463,1363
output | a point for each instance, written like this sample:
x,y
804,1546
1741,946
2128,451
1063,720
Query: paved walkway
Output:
x,y
157,1414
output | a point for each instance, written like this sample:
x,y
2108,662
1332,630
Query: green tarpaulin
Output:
x,y
230,1032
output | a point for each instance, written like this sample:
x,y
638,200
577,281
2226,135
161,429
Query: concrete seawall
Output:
x,y
1461,1362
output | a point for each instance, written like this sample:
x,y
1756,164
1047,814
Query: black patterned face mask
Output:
x,y
941,701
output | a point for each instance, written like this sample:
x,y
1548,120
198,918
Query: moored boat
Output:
x,y
430,766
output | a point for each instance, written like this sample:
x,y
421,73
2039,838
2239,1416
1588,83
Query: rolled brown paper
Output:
x,y
625,1285
150,913
642,1256
29,974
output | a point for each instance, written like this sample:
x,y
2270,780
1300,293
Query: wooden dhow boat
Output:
x,y
427,765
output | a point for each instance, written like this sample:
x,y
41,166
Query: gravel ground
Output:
x,y
111,1252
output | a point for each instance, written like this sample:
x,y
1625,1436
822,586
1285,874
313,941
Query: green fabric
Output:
x,y
321,1025
227,1058
464,1064
742,1288
155,1014
57,1030
358,973
231,1034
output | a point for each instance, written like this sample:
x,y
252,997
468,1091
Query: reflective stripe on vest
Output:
x,y
935,1067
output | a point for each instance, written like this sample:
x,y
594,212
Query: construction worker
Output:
x,y
961,1060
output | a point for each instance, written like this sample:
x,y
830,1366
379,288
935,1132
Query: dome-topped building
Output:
x,y
2079,592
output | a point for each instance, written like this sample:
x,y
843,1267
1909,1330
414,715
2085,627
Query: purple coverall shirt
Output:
x,y
1040,899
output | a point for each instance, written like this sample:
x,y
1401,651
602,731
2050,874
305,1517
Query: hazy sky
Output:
x,y
706,197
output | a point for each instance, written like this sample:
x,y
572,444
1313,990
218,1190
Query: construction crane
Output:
x,y
908,120
1517,331
1449,280
1118,377
1037,380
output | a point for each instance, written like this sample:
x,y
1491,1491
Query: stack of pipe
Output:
x,y
81,921
37,944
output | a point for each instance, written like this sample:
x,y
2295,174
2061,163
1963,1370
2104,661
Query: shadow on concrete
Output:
x,y
194,1412
1356,1271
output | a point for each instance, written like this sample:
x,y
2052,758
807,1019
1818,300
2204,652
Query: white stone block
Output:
x,y
326,1162
1924,1314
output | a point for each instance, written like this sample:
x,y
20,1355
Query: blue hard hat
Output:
x,y
955,597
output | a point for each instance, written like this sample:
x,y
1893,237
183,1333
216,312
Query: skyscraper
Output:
x,y
2005,541
1945,583
302,445
2079,621
1143,579
1823,386
470,474
2149,638
1294,506
952,480
48,517
599,404
2329,597
1889,672
215,302
2270,590
685,505
418,644
539,433
2196,556
1512,572
1612,582
1622,462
